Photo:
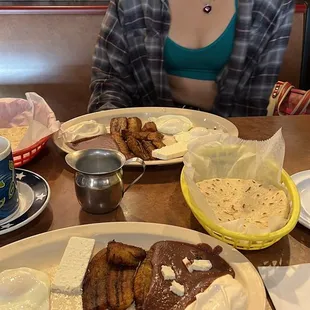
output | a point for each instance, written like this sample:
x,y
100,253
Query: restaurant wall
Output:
x,y
50,54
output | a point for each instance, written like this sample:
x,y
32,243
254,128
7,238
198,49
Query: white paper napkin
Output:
x,y
288,287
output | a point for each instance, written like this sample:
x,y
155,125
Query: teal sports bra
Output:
x,y
203,63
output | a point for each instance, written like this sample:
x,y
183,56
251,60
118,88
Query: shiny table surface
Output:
x,y
158,197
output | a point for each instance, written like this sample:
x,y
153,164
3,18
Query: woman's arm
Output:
x,y
112,82
268,64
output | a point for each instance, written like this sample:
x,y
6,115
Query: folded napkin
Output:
x,y
288,287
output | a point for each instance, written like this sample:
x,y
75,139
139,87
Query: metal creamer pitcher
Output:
x,y
98,178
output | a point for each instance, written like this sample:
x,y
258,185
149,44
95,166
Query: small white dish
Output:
x,y
34,195
302,181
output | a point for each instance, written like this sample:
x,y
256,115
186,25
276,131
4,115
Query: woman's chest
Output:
x,y
192,27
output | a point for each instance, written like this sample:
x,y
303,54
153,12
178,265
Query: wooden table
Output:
x,y
158,197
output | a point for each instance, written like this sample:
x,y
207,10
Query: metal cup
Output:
x,y
99,178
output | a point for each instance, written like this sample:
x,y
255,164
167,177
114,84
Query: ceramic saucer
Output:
x,y
34,195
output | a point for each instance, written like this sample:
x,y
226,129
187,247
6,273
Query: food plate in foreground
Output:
x,y
198,119
44,252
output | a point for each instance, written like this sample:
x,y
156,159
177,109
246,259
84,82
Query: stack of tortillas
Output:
x,y
14,135
233,199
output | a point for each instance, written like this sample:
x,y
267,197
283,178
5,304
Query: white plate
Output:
x,y
199,119
45,251
302,181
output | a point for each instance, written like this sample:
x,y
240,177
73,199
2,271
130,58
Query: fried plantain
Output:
x,y
137,148
120,287
140,135
125,134
122,145
155,136
114,127
158,144
134,124
137,135
149,127
122,123
94,294
133,140
124,255
148,145
143,280
117,124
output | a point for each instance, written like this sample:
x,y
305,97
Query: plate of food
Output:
x,y
124,266
157,135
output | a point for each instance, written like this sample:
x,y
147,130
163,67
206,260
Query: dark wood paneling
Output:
x,y
292,63
77,10
305,72
53,2
67,100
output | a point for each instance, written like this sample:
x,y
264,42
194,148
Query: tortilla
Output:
x,y
14,135
233,199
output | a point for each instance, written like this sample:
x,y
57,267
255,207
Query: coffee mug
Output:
x,y
8,191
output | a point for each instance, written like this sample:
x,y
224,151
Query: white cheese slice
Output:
x,y
73,265
171,151
177,288
201,265
167,273
187,264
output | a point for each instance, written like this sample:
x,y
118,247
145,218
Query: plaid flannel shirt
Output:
x,y
128,68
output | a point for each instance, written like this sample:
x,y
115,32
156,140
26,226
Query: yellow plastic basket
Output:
x,y
242,241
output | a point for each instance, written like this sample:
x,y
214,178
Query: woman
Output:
x,y
222,56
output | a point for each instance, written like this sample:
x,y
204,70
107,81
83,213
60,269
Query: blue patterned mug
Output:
x,y
8,190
